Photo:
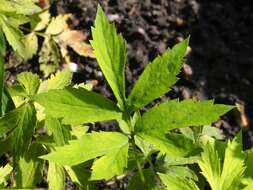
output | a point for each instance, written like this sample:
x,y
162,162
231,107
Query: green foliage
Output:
x,y
22,21
226,175
161,74
174,114
166,147
110,51
79,101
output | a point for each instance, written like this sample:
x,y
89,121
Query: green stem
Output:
x,y
137,161
128,121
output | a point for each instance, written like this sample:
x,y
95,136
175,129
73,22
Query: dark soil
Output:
x,y
221,57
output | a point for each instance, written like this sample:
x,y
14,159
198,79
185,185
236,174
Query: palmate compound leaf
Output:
x,y
110,52
228,176
77,106
158,76
111,146
174,114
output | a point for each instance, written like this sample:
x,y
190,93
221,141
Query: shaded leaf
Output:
x,y
30,167
13,119
24,129
2,56
49,56
61,133
150,182
80,175
31,45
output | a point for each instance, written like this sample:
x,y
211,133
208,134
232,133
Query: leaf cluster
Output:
x,y
46,122
24,24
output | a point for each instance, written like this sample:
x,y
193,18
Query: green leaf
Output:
x,y
30,167
110,51
88,147
13,35
60,80
248,187
49,56
174,114
233,166
30,81
4,173
31,45
56,176
7,102
230,176
26,7
248,176
174,182
174,145
57,25
213,132
179,171
12,119
24,129
61,133
210,166
87,106
158,76
79,175
40,21
111,164
150,182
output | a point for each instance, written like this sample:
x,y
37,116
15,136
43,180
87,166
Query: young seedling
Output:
x,y
146,146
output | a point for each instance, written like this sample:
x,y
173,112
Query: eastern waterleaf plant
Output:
x,y
48,126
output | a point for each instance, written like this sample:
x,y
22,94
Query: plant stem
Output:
x,y
137,161
128,121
